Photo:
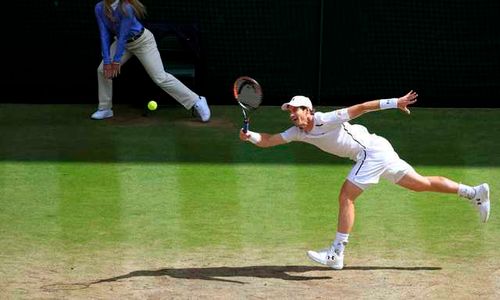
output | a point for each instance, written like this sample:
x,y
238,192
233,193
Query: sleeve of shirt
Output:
x,y
103,33
125,27
290,135
338,116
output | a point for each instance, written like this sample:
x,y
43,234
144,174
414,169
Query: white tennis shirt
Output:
x,y
331,133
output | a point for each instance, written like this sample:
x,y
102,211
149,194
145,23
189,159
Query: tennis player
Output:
x,y
374,158
119,19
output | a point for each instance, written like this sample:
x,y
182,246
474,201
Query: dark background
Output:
x,y
336,52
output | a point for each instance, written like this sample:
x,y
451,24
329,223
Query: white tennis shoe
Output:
x,y
328,258
102,114
201,108
481,201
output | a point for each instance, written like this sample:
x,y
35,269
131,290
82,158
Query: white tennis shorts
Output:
x,y
378,160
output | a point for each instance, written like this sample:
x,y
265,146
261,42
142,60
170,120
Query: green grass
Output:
x,y
70,186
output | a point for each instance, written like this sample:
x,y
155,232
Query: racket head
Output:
x,y
247,92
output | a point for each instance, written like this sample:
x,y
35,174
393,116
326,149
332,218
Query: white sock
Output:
x,y
341,239
466,191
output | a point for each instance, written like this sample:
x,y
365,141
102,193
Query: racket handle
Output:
x,y
245,126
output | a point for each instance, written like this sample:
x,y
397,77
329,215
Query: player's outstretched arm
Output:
x,y
402,103
262,140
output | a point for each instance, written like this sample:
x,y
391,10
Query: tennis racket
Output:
x,y
248,94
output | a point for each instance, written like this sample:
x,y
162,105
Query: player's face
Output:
x,y
299,116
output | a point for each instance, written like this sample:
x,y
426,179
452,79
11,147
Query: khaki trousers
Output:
x,y
146,50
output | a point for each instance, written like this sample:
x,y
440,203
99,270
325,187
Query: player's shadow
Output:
x,y
373,268
225,274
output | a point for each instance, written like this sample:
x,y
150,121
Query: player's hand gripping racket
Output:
x,y
248,94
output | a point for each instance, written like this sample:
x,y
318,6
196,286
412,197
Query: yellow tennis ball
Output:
x,y
152,105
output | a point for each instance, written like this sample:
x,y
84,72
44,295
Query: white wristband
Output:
x,y
388,103
254,137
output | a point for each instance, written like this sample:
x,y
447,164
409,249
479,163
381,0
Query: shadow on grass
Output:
x,y
455,137
374,268
224,273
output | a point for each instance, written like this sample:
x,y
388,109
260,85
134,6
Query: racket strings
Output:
x,y
250,96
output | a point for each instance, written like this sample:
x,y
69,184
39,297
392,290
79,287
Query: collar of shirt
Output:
x,y
114,5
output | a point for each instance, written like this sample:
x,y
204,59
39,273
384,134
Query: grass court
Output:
x,y
163,206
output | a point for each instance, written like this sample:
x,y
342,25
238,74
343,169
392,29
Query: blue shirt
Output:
x,y
124,27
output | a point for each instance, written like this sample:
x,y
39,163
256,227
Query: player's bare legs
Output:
x,y
334,256
418,183
479,195
348,194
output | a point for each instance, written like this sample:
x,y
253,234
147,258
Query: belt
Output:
x,y
135,37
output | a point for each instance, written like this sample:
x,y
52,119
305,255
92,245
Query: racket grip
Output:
x,y
245,126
